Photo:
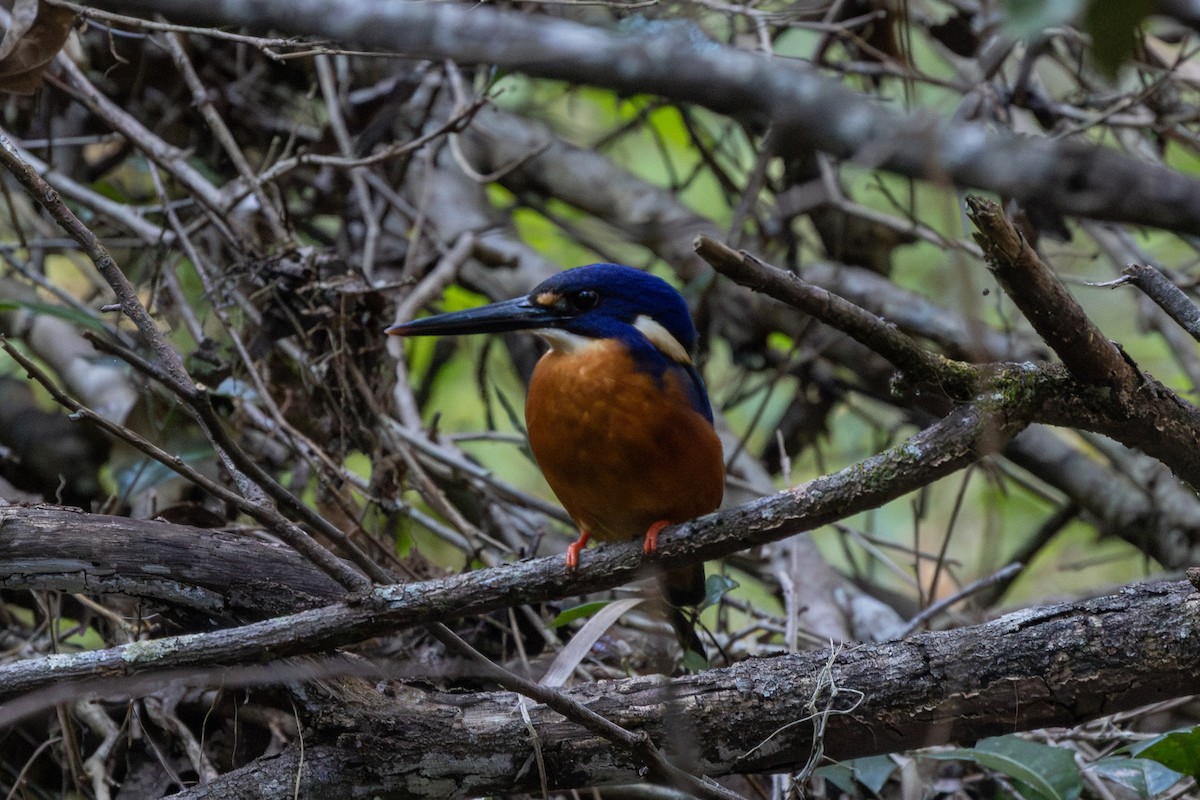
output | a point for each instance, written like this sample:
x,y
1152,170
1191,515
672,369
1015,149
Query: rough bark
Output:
x,y
229,576
1053,666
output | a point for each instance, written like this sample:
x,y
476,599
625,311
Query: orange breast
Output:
x,y
620,450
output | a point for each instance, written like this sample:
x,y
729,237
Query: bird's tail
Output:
x,y
684,587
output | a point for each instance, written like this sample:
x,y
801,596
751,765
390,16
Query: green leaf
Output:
x,y
715,587
871,772
1045,772
138,476
66,630
1178,750
573,613
840,775
695,662
1142,775
584,639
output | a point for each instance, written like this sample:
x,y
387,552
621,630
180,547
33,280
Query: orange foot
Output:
x,y
650,546
575,547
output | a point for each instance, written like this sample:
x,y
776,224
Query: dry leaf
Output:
x,y
38,32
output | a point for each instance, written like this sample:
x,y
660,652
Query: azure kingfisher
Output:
x,y
617,415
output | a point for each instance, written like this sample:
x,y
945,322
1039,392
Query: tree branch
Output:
x,y
234,577
1054,666
1054,313
958,380
952,443
806,111
1117,401
1169,297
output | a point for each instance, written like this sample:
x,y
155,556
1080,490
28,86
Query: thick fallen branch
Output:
x,y
1054,666
229,576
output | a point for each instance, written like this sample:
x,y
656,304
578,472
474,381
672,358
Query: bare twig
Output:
x,y
131,305
947,686
959,380
288,531
1054,313
933,609
1169,297
202,100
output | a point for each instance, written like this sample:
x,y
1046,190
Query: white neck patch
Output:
x,y
661,338
563,341
566,342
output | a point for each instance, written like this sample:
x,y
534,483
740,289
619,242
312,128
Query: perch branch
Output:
x,y
950,444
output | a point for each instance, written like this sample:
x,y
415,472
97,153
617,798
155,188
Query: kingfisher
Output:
x,y
617,415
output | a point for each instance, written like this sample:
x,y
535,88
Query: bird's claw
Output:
x,y
650,545
574,549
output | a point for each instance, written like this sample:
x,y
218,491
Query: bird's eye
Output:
x,y
584,300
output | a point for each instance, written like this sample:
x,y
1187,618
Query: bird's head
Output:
x,y
579,306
